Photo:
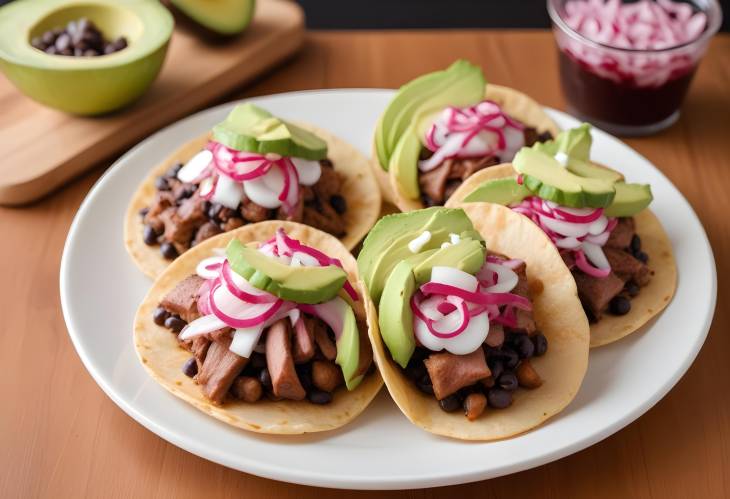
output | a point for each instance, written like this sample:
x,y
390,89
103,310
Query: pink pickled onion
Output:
x,y
476,297
253,295
462,309
582,263
240,323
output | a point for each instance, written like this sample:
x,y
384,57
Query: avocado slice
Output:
x,y
223,17
308,285
575,143
467,255
387,242
395,316
630,199
404,163
460,84
250,128
84,85
549,180
504,191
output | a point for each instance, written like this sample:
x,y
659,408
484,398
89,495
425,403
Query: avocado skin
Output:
x,y
308,285
460,84
504,191
630,199
386,244
208,31
251,128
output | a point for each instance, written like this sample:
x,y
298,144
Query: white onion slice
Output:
x,y
305,259
201,325
265,190
568,229
228,192
232,306
454,277
207,273
568,243
308,171
514,141
245,340
598,225
469,340
195,166
595,254
507,279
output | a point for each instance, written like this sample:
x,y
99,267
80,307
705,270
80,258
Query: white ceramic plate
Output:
x,y
101,288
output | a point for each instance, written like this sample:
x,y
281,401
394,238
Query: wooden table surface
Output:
x,y
60,436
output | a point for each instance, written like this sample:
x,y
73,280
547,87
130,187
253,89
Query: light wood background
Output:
x,y
60,436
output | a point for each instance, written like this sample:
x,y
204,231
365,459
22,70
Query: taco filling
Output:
x,y
270,322
443,127
475,335
587,211
256,167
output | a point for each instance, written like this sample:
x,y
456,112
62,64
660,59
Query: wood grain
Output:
x,y
60,436
42,148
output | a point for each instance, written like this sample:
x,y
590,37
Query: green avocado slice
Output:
x,y
575,143
387,242
308,285
467,255
224,17
504,191
460,84
250,128
404,163
395,316
630,199
548,179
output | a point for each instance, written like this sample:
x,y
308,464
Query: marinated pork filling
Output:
x,y
629,273
180,218
439,184
290,362
488,376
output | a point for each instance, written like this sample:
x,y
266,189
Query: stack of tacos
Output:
x,y
478,314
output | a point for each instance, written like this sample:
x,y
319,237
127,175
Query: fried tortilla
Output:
x,y
162,357
652,299
558,314
359,189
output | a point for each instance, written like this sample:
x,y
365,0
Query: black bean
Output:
x,y
338,203
424,384
175,323
48,37
257,360
265,378
51,50
497,368
524,346
190,368
319,397
173,170
508,381
187,191
120,44
160,315
415,370
326,163
632,288
450,403
149,235
143,212
63,42
161,184
635,243
37,42
509,357
499,398
541,344
620,305
304,373
641,256
168,251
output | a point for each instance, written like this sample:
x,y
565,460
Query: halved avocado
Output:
x,y
84,85
308,285
250,128
223,17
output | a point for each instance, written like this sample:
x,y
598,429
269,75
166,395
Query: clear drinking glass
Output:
x,y
640,102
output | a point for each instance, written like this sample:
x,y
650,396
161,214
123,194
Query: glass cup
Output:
x,y
628,91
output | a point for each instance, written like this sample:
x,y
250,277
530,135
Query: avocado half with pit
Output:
x,y
220,17
84,85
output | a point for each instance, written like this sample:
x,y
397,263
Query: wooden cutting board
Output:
x,y
42,148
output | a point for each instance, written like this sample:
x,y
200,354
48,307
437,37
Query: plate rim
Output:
x,y
340,481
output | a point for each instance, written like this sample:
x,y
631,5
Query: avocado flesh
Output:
x,y
574,142
504,191
630,199
84,85
308,285
387,242
404,164
250,128
467,255
590,170
348,347
460,84
395,316
549,180
224,17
